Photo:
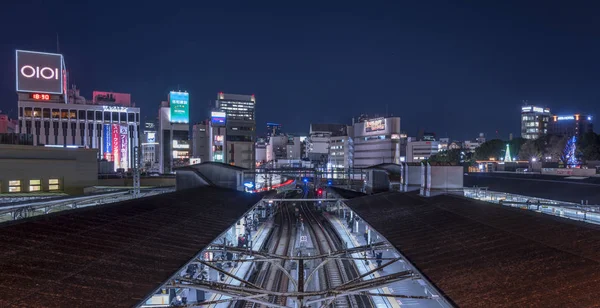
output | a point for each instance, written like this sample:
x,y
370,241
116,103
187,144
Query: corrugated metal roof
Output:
x,y
485,255
113,255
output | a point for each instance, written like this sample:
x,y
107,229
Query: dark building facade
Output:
x,y
571,125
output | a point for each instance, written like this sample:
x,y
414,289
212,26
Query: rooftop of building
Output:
x,y
484,255
116,254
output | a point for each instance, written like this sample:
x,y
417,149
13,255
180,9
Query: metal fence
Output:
x,y
581,212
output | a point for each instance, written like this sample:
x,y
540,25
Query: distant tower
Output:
x,y
510,137
507,154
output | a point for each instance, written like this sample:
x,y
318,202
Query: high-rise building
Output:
x,y
200,141
534,121
149,148
173,132
377,141
261,151
319,139
240,136
273,129
571,125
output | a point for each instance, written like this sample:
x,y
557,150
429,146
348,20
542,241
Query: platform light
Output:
x,y
249,184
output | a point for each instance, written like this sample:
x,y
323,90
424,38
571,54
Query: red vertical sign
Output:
x,y
116,145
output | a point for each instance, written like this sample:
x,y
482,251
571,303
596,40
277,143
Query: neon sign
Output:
x,y
561,118
39,72
40,96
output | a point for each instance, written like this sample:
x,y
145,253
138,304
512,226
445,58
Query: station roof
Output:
x,y
568,189
486,255
112,255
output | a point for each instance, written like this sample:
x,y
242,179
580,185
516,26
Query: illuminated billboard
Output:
x,y
218,117
562,118
39,72
107,142
116,144
374,125
124,151
180,110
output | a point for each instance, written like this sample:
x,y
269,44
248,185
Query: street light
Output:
x,y
533,159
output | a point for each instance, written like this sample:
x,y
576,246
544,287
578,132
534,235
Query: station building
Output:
x,y
34,169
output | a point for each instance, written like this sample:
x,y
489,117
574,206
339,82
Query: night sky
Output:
x,y
456,70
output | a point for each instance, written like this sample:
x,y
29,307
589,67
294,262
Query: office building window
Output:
x,y
55,113
35,185
53,184
46,113
28,111
14,186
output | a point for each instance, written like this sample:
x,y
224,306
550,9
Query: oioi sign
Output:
x,y
39,72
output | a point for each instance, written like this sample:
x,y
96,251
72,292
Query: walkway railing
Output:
x,y
581,212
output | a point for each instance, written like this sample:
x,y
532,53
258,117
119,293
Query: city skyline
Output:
x,y
463,70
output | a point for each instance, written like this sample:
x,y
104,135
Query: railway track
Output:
x,y
336,272
280,241
333,274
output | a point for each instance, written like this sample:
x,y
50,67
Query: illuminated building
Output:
x,y
286,149
237,146
56,116
110,128
377,141
534,121
319,141
149,148
417,151
571,125
173,132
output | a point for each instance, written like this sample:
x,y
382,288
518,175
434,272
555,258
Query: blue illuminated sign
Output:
x,y
107,138
180,107
218,117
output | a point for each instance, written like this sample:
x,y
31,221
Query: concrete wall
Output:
x,y
75,168
411,178
569,171
444,177
377,181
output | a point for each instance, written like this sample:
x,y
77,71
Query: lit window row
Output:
x,y
34,185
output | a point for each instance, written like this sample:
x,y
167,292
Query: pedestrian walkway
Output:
x,y
408,287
